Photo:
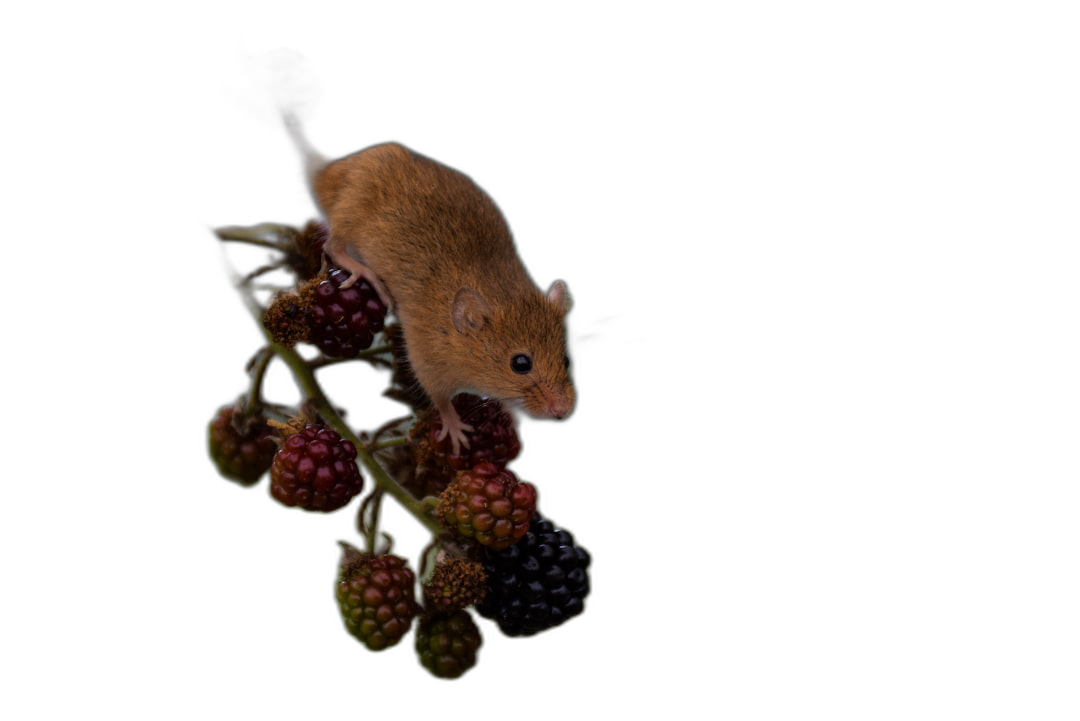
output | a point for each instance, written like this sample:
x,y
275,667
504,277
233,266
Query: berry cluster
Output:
x,y
491,554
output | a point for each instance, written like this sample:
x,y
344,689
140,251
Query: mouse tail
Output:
x,y
285,76
314,162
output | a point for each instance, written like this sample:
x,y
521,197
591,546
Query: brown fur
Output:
x,y
428,232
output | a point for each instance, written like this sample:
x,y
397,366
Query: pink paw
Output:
x,y
452,426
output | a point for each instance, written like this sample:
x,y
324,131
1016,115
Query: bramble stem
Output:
x,y
267,235
259,365
368,354
372,524
311,389
388,443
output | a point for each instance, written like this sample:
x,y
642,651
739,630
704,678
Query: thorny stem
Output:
x,y
311,389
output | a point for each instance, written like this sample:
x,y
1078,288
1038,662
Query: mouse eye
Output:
x,y
566,362
521,363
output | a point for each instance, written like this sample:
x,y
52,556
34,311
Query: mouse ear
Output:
x,y
559,294
470,311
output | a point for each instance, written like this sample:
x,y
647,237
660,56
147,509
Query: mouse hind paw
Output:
x,y
357,271
454,428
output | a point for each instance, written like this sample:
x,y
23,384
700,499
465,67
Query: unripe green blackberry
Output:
x,y
376,596
447,645
241,447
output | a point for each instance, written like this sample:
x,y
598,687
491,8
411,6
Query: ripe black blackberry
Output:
x,y
537,583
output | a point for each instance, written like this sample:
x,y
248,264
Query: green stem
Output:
x,y
388,443
258,372
324,361
267,235
373,522
311,389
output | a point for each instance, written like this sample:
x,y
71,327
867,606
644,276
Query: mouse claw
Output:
x,y
359,271
453,427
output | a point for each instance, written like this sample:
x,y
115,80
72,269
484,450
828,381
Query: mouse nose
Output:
x,y
559,408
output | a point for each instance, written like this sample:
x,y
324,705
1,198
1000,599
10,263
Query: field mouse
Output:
x,y
440,253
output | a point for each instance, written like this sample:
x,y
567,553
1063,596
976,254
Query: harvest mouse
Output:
x,y
439,252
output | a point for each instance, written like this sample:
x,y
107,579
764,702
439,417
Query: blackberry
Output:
x,y
536,584
447,645
344,322
376,597
316,470
242,448
487,504
492,440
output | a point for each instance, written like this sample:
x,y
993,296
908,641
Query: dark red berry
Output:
x,y
492,440
316,470
344,322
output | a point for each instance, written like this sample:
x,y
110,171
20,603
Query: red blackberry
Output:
x,y
487,504
536,584
447,645
241,448
492,440
376,597
316,470
344,322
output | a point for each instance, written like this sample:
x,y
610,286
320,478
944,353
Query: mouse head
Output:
x,y
521,348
